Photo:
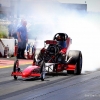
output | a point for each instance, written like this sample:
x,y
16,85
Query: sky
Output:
x,y
92,5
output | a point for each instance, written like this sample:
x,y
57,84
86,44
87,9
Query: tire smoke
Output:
x,y
83,28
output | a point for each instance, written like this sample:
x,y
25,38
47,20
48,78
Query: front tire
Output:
x,y
42,71
15,68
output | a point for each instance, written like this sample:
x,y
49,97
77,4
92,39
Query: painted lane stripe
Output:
x,y
6,66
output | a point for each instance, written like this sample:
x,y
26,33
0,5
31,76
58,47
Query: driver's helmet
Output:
x,y
59,38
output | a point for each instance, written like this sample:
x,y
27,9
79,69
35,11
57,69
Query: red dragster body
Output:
x,y
54,57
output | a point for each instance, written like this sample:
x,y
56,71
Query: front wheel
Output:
x,y
42,71
16,68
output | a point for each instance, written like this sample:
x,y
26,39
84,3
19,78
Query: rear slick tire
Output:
x,y
76,59
78,65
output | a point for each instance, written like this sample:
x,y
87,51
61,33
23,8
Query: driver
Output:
x,y
61,41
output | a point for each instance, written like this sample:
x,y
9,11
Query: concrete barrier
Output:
x,y
11,45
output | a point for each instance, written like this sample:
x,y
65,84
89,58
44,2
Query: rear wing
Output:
x,y
50,42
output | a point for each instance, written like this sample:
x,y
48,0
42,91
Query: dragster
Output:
x,y
54,57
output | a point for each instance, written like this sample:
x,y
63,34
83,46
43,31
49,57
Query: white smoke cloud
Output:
x,y
84,32
85,37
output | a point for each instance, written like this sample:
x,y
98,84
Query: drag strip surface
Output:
x,y
9,87
59,87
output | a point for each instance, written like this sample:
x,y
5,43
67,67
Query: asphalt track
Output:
x,y
55,87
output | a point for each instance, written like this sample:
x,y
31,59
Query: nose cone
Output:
x,y
27,72
25,75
